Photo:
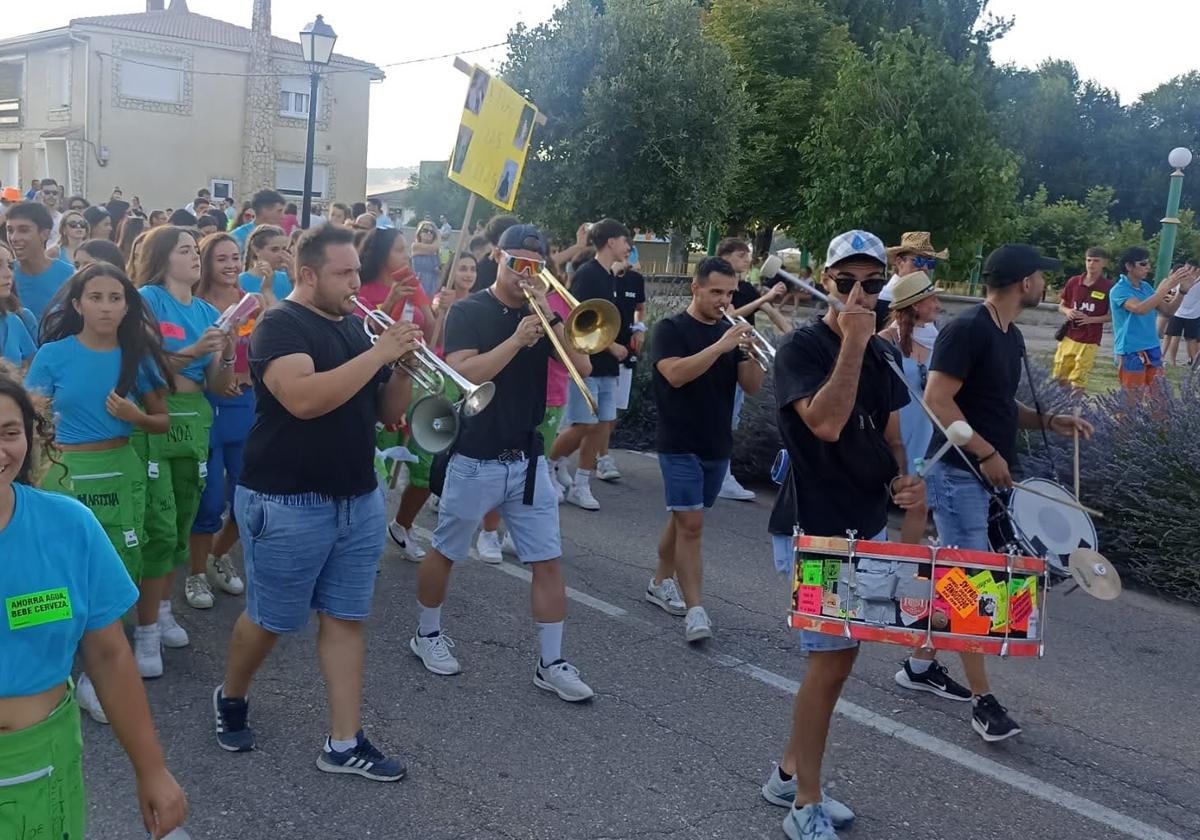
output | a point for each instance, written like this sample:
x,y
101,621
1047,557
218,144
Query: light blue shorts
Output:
x,y
474,487
604,392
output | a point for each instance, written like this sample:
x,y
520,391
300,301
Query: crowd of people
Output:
x,y
150,418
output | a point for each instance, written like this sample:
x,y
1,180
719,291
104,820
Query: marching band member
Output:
x,y
699,362
497,461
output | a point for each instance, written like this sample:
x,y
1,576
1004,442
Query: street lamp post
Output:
x,y
1179,158
316,44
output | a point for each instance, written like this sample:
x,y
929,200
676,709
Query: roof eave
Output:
x,y
36,38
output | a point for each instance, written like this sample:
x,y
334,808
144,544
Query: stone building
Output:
x,y
163,101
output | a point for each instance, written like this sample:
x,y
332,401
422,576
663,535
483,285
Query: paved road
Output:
x,y
678,740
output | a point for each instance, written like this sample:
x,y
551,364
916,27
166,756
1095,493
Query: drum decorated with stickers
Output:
x,y
919,596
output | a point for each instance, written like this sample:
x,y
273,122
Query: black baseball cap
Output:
x,y
524,238
1010,264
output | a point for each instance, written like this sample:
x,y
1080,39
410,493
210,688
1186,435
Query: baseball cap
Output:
x,y
524,238
855,243
182,218
1010,264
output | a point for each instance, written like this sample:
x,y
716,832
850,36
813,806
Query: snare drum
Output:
x,y
1042,528
919,596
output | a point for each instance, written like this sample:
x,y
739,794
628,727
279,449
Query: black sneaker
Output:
x,y
363,760
991,720
935,680
233,734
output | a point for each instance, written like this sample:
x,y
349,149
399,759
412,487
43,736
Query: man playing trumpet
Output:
x,y
699,361
498,463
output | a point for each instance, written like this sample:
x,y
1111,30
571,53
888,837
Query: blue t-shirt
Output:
x,y
61,589
181,325
242,234
1132,333
78,380
281,284
16,344
36,290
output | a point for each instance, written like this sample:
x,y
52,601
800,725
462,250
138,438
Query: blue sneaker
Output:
x,y
809,823
778,792
233,732
363,760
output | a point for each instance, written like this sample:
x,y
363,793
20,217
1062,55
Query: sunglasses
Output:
x,y
77,224
924,262
524,266
873,286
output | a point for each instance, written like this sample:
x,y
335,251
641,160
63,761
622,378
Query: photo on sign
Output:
x,y
460,148
524,129
477,91
508,177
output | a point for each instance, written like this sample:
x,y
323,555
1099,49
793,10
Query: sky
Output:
x,y
415,111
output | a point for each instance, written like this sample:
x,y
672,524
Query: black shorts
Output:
x,y
1187,328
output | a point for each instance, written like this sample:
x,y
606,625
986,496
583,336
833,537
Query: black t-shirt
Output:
x,y
481,322
844,485
593,280
333,454
630,294
694,418
485,273
745,294
988,361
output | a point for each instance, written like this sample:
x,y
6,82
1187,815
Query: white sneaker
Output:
x,y
409,549
666,596
433,503
562,474
507,545
85,695
562,678
730,489
147,650
606,468
222,574
434,653
172,635
199,594
488,546
561,491
698,626
580,495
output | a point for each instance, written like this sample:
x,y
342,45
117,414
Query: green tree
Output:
x,y
432,194
1065,229
906,144
642,113
786,54
963,29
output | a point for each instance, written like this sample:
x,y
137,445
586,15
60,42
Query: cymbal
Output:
x,y
1094,574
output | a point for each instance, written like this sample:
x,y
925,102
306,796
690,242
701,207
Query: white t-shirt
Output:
x,y
1190,308
886,294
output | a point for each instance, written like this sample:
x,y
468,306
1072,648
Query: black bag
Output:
x,y
1061,332
437,472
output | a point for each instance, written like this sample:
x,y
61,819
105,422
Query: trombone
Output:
x,y
428,371
591,326
559,349
761,350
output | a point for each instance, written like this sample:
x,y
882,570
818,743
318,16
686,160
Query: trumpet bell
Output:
x,y
592,326
477,400
433,423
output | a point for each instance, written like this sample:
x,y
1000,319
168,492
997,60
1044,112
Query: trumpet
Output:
x,y
761,350
428,371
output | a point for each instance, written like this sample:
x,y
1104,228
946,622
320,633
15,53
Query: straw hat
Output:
x,y
917,242
912,288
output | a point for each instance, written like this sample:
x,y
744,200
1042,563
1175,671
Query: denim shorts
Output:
x,y
309,552
960,506
604,392
691,482
474,487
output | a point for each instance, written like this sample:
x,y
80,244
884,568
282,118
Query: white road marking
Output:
x,y
1015,779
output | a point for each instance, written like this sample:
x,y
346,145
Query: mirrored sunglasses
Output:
x,y
524,266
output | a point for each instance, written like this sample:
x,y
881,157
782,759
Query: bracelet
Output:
x,y
1050,421
637,327
556,320
991,454
226,364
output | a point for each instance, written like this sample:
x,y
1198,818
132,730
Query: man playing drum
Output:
x,y
839,418
973,375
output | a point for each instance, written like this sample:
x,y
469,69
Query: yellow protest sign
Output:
x,y
493,139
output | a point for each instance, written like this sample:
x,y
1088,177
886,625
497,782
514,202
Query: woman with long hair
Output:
x,y
233,415
100,357
202,359
73,229
66,592
427,257
388,281
131,228
268,257
100,223
17,324
98,250
457,281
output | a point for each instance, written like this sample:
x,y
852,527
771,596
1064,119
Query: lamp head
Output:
x,y
316,42
1179,157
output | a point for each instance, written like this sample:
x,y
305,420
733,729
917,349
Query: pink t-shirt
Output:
x,y
374,295
556,371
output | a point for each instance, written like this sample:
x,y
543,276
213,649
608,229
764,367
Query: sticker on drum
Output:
x,y
1049,526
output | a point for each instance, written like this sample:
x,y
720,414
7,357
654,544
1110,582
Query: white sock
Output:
x,y
919,666
430,621
550,641
164,606
342,746
582,476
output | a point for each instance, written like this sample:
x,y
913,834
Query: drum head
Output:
x,y
1059,528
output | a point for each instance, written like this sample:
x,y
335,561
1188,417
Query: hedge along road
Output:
x,y
678,740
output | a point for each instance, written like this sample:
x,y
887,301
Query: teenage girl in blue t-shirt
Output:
x,y
101,355
176,462
268,256
17,325
65,595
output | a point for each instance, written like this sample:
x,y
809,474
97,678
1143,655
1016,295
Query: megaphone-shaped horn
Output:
x,y
772,267
433,423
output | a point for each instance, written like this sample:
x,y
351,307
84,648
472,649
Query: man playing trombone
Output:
x,y
699,361
498,463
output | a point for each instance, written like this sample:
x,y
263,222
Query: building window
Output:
x,y
293,97
12,89
155,78
220,188
58,79
289,179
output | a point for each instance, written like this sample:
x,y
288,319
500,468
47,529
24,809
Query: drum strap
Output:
x,y
1037,406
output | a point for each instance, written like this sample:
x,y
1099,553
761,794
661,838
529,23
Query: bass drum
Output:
x,y
1037,527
